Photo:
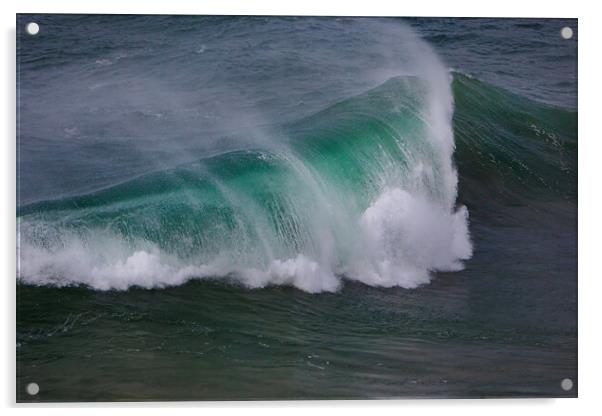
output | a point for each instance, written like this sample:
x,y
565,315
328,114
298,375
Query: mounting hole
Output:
x,y
566,384
566,33
32,28
32,389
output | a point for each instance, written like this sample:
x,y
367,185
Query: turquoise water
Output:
x,y
209,210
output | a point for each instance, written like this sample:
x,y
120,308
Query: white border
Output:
x,y
458,8
590,176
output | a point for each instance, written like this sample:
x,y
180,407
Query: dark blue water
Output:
x,y
147,144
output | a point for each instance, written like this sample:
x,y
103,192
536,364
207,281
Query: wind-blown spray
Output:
x,y
363,190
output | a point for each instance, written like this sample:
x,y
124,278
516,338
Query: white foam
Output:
x,y
105,266
407,237
402,239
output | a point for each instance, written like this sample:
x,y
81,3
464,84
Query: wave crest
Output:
x,y
364,190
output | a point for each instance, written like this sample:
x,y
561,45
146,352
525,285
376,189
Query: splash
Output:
x,y
363,190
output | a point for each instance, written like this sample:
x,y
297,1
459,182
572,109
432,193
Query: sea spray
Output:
x,y
363,190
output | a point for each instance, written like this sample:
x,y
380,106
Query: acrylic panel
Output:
x,y
280,207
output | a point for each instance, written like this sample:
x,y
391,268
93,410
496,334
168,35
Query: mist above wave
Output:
x,y
364,190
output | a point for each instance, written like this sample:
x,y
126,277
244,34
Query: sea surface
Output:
x,y
258,208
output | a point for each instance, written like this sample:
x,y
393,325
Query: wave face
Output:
x,y
364,190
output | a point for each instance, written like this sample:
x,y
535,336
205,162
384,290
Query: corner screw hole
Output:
x,y
32,389
566,33
32,28
566,384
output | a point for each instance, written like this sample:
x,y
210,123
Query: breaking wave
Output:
x,y
364,190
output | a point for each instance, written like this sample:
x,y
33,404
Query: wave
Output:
x,y
511,149
365,190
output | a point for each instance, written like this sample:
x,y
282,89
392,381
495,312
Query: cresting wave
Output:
x,y
364,190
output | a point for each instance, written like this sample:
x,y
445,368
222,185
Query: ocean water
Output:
x,y
214,208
